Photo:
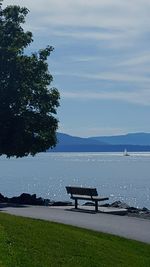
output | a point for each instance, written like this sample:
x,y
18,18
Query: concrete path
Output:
x,y
129,227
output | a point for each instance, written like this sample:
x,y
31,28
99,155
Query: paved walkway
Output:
x,y
129,227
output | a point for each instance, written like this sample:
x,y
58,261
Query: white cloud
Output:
x,y
106,12
141,97
136,60
102,42
129,16
94,35
109,76
119,23
118,77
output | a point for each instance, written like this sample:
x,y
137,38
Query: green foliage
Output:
x,y
27,242
27,106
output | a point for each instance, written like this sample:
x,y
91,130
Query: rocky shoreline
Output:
x,y
28,199
131,211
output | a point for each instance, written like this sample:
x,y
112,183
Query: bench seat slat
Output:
x,y
89,198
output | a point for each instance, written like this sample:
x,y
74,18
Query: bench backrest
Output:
x,y
73,190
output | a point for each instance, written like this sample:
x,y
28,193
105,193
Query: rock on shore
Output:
x,y
28,199
131,211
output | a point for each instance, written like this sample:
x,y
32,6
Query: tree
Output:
x,y
28,120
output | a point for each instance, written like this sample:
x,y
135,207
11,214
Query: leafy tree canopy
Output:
x,y
28,120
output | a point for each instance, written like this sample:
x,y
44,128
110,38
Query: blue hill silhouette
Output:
x,y
131,142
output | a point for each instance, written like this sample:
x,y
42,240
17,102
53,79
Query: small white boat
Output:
x,y
126,153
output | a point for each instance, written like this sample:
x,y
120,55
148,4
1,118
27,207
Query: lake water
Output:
x,y
121,178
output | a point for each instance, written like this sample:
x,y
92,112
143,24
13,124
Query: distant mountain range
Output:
x,y
132,142
132,139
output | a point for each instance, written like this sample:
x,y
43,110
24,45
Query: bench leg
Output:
x,y
76,203
96,206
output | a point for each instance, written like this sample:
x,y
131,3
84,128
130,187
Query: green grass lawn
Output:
x,y
35,243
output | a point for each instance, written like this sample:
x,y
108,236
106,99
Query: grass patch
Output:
x,y
35,243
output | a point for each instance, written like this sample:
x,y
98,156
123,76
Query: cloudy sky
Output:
x,y
101,62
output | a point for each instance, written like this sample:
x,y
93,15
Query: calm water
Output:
x,y
121,178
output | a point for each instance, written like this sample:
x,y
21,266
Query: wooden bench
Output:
x,y
84,193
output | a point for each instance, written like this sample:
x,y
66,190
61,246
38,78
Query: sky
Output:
x,y
100,63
